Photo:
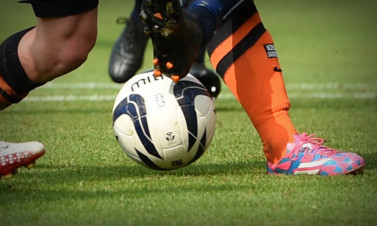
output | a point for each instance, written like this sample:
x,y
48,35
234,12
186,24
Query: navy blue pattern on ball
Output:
x,y
134,106
185,93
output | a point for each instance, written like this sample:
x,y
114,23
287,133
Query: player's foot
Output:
x,y
307,155
175,34
128,51
207,77
14,155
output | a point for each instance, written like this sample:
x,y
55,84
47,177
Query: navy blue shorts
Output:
x,y
59,8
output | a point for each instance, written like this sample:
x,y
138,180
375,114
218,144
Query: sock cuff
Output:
x,y
11,69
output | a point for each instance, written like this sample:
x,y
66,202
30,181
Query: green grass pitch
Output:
x,y
327,50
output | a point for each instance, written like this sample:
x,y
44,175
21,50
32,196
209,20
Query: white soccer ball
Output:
x,y
161,124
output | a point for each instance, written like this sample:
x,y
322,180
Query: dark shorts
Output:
x,y
59,8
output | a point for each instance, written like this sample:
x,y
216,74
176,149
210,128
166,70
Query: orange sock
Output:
x,y
243,53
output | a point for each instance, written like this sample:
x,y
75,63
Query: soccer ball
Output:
x,y
161,124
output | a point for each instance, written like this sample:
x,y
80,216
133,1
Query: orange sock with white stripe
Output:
x,y
243,53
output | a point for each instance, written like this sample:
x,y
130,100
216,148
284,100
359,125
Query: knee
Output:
x,y
74,53
75,49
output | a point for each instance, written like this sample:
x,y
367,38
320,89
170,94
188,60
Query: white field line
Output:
x,y
86,85
306,90
59,98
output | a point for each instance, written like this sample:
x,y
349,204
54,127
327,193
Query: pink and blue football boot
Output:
x,y
307,155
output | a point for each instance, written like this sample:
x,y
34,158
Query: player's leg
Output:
x,y
243,53
64,35
178,34
58,44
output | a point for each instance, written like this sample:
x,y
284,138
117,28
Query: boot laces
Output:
x,y
311,145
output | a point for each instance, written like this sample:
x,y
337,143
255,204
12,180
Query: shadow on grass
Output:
x,y
49,183
105,173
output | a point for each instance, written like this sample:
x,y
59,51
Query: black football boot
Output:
x,y
128,52
175,34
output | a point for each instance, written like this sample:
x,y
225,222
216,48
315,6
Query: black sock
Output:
x,y
14,83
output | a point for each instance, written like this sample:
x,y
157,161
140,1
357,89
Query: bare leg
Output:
x,y
57,45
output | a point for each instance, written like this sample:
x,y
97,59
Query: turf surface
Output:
x,y
328,53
